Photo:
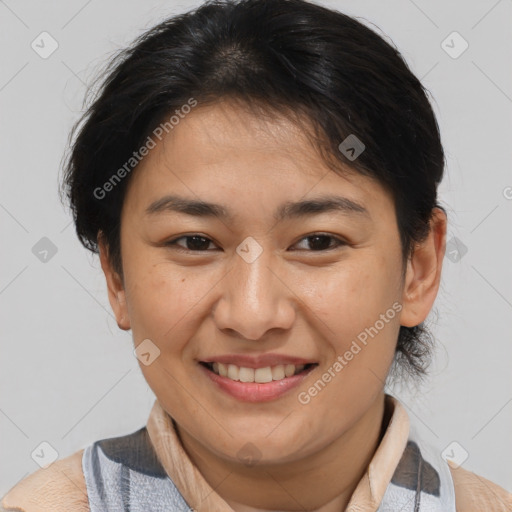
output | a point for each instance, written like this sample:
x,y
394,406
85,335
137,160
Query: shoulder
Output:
x,y
473,492
63,486
58,488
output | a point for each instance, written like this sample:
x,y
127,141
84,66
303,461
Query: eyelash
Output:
x,y
173,243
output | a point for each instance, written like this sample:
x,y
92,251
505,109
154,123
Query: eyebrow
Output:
x,y
288,210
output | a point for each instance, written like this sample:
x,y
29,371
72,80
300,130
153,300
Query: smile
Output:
x,y
255,384
259,375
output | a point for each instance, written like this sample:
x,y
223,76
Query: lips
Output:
x,y
251,388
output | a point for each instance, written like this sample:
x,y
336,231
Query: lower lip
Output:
x,y
254,391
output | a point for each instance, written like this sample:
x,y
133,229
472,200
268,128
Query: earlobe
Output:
x,y
423,274
408,315
115,287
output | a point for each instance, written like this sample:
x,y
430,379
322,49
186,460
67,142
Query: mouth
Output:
x,y
262,375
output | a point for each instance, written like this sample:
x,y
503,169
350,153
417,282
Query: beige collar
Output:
x,y
202,498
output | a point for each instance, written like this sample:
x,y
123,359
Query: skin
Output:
x,y
291,300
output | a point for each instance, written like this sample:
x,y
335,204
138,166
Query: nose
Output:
x,y
254,298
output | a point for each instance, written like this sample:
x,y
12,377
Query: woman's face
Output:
x,y
255,288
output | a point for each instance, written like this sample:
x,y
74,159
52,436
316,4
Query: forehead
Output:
x,y
222,150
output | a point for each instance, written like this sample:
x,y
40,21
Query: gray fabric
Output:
x,y
123,474
422,481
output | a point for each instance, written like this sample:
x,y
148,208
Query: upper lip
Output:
x,y
258,361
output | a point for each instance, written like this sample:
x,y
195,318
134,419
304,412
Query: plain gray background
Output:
x,y
68,375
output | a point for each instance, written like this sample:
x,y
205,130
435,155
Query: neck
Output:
x,y
321,482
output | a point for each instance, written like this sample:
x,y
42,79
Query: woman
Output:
x,y
260,180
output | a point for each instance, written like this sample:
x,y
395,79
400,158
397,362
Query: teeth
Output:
x,y
233,372
278,372
246,374
222,369
259,375
263,375
289,370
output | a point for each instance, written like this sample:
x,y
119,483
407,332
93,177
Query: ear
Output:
x,y
116,293
423,273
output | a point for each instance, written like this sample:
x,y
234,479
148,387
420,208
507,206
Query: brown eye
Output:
x,y
192,243
321,242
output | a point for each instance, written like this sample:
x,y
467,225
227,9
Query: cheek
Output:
x,y
161,300
165,301
359,302
357,311
164,305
